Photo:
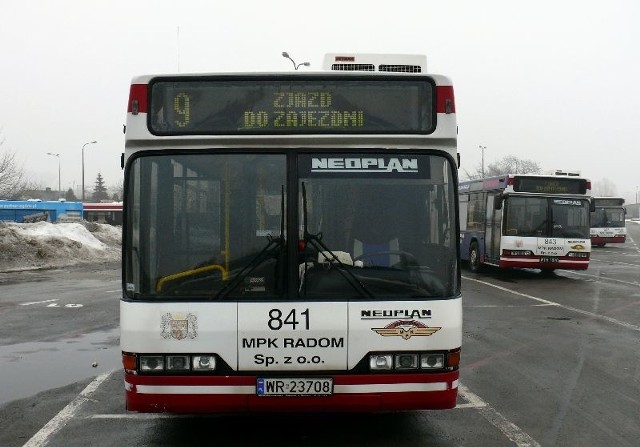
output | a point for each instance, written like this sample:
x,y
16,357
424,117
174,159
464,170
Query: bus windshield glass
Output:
x,y
547,217
608,218
377,226
197,221
214,227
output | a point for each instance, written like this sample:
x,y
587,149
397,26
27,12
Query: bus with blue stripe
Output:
x,y
526,221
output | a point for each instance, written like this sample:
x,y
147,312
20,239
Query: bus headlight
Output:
x,y
432,361
170,364
151,363
406,361
379,362
577,254
204,363
178,363
412,361
517,252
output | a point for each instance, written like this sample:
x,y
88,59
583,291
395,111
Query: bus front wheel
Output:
x,y
474,258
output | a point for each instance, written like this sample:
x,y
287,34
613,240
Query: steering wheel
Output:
x,y
423,275
404,254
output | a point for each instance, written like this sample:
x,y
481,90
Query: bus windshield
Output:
x,y
198,220
369,234
546,217
213,226
608,218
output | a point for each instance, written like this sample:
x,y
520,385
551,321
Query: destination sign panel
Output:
x,y
288,105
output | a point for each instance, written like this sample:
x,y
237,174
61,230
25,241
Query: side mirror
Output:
x,y
592,206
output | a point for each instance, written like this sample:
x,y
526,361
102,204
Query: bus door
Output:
x,y
492,230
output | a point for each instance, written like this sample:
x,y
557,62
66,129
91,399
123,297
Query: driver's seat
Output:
x,y
383,259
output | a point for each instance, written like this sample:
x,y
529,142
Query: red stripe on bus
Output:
x,y
239,403
101,207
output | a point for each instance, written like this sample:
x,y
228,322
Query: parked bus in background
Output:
x,y
106,213
526,221
290,240
608,221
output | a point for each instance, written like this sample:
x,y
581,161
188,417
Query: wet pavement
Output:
x,y
38,366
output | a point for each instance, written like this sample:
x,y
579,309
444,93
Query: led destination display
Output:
x,y
262,105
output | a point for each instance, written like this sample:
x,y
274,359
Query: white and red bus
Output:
x,y
608,221
526,221
290,240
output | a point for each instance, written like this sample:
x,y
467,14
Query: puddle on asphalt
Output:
x,y
29,368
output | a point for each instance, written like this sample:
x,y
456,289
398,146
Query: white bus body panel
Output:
x,y
612,232
340,334
549,246
546,246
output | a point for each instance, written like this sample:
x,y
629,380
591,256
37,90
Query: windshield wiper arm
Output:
x,y
274,245
328,254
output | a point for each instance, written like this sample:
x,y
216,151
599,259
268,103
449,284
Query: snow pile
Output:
x,y
43,244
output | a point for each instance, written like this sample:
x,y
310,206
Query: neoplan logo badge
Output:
x,y
406,329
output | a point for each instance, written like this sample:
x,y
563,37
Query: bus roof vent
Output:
x,y
353,67
563,173
401,68
390,63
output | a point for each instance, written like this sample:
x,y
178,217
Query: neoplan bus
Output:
x,y
526,221
608,221
290,240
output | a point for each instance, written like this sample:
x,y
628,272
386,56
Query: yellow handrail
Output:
x,y
206,268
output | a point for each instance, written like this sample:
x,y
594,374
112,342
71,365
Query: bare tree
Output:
x,y
12,181
604,188
117,191
508,165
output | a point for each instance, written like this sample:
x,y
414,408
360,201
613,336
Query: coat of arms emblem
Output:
x,y
179,326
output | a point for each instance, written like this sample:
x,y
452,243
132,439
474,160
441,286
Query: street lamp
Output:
x,y
57,155
296,66
482,148
90,142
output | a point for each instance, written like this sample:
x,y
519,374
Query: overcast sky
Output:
x,y
555,82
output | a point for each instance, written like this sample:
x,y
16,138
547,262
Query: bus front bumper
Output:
x,y
237,394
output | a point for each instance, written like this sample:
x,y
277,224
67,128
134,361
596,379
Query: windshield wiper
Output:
x,y
329,255
275,246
